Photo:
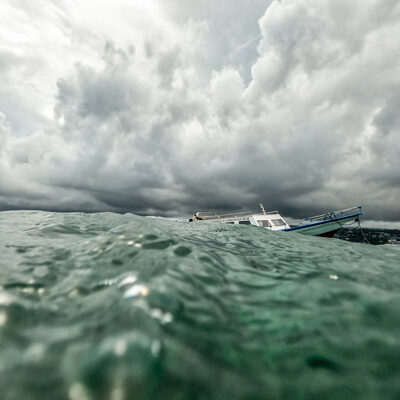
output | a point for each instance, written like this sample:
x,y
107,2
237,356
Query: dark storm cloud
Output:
x,y
147,125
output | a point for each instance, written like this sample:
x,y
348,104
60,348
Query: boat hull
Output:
x,y
325,228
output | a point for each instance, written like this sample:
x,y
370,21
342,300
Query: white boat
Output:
x,y
325,225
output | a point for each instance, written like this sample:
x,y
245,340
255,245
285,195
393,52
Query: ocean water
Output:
x,y
108,306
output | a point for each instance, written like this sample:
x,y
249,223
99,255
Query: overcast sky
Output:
x,y
170,107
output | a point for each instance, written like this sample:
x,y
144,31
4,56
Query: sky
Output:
x,y
171,107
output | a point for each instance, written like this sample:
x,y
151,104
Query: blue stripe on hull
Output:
x,y
320,228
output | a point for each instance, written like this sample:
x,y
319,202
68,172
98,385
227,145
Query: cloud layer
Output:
x,y
167,109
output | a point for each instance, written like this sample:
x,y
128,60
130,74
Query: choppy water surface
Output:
x,y
108,306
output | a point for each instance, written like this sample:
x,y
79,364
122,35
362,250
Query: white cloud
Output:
x,y
125,112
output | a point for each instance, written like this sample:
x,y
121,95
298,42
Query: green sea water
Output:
x,y
120,307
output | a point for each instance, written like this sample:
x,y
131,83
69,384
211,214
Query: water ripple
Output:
x,y
107,306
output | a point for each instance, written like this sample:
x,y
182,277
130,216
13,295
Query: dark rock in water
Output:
x,y
367,235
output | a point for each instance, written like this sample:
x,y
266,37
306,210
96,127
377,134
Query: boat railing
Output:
x,y
214,215
328,216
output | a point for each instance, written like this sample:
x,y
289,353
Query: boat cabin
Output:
x,y
270,220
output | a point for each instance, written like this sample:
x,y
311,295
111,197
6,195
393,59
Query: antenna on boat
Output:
x,y
263,209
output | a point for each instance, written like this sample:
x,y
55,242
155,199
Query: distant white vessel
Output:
x,y
325,225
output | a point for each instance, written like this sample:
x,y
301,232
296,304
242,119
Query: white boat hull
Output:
x,y
325,229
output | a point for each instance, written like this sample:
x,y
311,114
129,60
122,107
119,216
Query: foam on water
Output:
x,y
107,306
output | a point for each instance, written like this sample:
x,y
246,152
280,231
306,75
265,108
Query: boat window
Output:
x,y
229,222
278,222
244,222
265,223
